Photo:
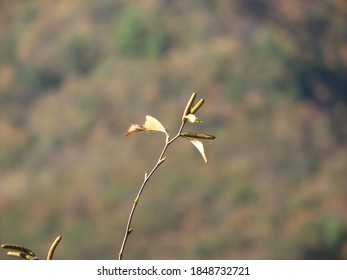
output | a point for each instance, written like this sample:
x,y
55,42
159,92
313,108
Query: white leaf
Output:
x,y
198,144
152,124
192,118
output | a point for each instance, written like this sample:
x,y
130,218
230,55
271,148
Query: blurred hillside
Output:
x,y
75,74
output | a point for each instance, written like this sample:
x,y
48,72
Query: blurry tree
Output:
x,y
135,37
331,233
317,38
130,33
35,78
156,41
79,54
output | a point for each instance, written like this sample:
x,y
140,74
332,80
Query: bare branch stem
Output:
x,y
147,177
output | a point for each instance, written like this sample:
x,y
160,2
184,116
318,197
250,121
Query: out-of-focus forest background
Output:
x,y
75,74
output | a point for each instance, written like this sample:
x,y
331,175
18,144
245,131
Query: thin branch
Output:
x,y
161,159
188,110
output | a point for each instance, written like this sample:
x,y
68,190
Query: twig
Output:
x,y
152,124
161,159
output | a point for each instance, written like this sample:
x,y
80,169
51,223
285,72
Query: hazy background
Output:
x,y
75,74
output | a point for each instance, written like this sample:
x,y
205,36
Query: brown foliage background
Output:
x,y
75,74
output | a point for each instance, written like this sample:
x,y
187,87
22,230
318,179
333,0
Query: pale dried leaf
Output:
x,y
198,144
152,124
134,128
